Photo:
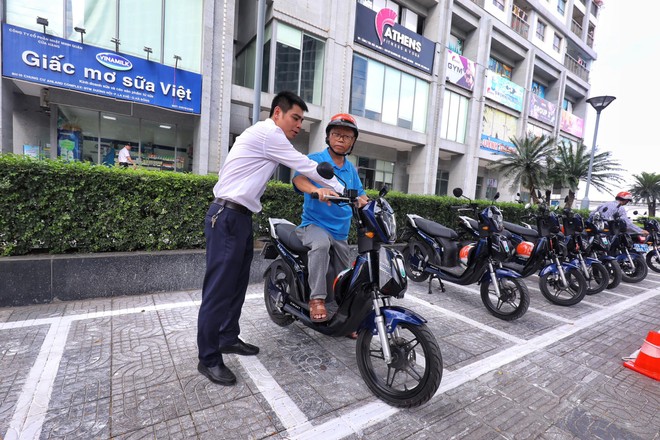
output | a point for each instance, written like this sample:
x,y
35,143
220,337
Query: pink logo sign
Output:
x,y
384,16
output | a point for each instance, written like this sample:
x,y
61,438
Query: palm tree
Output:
x,y
528,164
571,166
647,187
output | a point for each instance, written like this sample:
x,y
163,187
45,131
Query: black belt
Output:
x,y
233,206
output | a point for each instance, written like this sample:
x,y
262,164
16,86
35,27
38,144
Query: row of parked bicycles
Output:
x,y
572,256
398,356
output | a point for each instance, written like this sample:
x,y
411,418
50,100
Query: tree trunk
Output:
x,y
570,200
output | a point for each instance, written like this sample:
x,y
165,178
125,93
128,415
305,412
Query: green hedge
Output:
x,y
57,207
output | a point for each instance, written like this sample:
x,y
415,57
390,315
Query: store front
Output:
x,y
97,137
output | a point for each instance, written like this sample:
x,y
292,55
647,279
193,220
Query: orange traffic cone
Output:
x,y
648,359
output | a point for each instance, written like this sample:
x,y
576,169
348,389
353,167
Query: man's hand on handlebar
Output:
x,y
323,194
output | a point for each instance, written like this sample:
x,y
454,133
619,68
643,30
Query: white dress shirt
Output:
x,y
252,161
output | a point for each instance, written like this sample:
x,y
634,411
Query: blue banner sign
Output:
x,y
380,32
55,62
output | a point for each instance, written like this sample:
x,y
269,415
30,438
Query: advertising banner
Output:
x,y
380,32
571,124
496,146
506,92
544,111
55,62
460,70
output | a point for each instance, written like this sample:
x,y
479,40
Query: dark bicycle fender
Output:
x,y
552,268
393,316
500,273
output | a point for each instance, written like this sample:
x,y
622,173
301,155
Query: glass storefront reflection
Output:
x,y
97,137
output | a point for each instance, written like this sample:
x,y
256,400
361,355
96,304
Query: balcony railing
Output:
x,y
576,28
576,67
590,41
520,26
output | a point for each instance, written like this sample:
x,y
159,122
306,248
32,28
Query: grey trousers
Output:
x,y
325,259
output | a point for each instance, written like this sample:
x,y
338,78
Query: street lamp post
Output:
x,y
598,103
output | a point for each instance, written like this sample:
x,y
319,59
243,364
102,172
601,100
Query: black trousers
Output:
x,y
229,252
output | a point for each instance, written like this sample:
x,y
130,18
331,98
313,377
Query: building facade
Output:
x,y
438,87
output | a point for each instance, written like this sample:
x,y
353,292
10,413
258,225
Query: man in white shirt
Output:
x,y
125,157
608,209
228,228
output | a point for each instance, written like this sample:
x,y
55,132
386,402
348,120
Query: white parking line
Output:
x,y
467,320
32,404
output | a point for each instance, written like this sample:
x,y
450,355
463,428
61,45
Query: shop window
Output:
x,y
385,94
454,117
479,188
97,137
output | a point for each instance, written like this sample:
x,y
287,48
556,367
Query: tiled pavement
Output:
x,y
125,368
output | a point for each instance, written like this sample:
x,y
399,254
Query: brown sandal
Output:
x,y
317,311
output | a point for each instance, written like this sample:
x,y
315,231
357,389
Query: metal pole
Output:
x,y
585,201
258,62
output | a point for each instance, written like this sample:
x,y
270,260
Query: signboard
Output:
x,y
55,62
460,70
496,146
571,124
544,111
380,32
506,92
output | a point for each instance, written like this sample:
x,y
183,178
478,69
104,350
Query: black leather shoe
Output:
x,y
242,348
220,374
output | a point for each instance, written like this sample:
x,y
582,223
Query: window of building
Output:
x,y
498,124
455,44
299,63
385,94
540,30
538,89
167,27
454,117
374,173
561,7
556,42
441,183
535,130
404,16
24,13
299,60
567,105
500,68
499,4
491,188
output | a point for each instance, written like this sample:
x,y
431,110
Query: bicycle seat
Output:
x,y
435,229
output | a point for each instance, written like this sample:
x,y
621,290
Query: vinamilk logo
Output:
x,y
384,16
114,61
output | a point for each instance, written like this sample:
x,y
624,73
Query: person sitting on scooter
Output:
x,y
324,229
608,209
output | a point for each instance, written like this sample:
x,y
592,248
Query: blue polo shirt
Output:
x,y
335,219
